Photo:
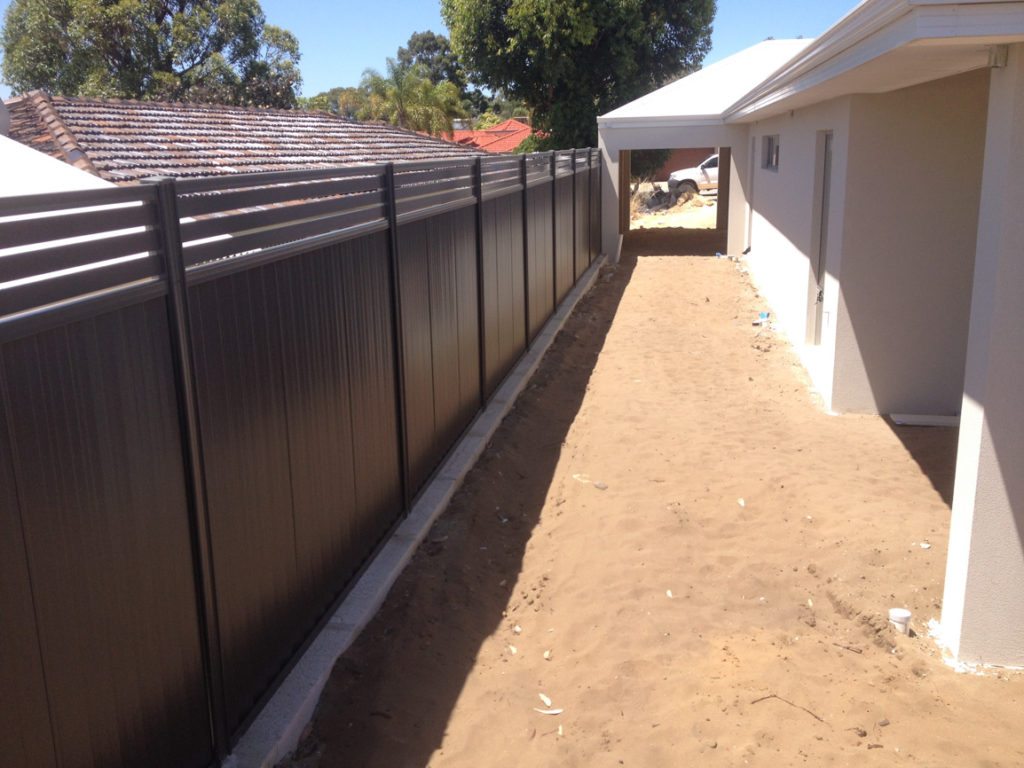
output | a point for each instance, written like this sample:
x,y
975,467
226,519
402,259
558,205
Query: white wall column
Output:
x,y
611,240
739,183
983,604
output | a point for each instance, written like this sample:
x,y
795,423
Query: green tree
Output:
x,y
571,60
435,52
645,163
487,119
347,102
407,98
198,50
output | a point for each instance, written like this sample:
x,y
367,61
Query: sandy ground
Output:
x,y
670,540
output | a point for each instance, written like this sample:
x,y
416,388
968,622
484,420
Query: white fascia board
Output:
x,y
991,19
663,121
878,28
861,23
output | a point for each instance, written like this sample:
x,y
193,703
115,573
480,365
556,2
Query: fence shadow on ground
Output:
x,y
934,449
390,697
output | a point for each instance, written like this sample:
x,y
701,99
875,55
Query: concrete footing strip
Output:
x,y
276,731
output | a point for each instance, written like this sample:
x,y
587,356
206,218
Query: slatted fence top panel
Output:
x,y
55,248
431,187
500,175
564,163
595,157
233,216
538,168
581,160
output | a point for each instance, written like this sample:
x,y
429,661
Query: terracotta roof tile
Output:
x,y
504,137
125,141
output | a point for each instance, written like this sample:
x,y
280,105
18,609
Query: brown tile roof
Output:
x,y
125,141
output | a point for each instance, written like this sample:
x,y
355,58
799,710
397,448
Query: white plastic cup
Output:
x,y
900,619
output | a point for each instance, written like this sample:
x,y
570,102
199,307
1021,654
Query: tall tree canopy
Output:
x,y
571,61
199,50
407,98
434,52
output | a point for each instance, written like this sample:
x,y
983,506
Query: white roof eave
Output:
x,y
662,121
870,31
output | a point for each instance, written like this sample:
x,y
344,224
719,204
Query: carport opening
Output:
x,y
674,188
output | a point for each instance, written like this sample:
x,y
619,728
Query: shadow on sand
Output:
x,y
934,450
390,697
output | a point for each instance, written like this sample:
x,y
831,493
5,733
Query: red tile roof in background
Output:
x,y
124,141
504,137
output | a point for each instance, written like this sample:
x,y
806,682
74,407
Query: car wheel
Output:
x,y
687,190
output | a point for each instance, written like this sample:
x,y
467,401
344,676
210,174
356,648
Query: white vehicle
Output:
x,y
703,178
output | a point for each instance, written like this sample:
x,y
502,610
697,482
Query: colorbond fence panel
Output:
x,y
595,204
25,728
218,396
502,281
242,409
370,342
565,262
440,335
581,219
93,427
539,242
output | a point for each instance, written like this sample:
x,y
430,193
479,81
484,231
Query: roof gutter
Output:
x,y
868,18
874,28
703,121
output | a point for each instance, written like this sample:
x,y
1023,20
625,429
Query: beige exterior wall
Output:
x,y
983,602
784,227
913,188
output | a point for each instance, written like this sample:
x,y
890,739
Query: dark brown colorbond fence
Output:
x,y
218,396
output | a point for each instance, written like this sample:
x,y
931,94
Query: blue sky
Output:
x,y
340,39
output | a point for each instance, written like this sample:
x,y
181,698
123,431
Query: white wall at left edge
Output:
x,y
26,171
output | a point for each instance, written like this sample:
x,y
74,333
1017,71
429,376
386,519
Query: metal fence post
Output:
x,y
391,204
195,480
478,192
526,252
575,202
554,230
590,206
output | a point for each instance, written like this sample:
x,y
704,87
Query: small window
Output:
x,y
711,162
770,153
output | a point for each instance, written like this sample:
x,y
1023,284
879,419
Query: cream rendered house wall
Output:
x,y
784,232
982,605
913,187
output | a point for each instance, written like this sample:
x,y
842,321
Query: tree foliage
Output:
x,y
645,163
434,52
570,60
406,97
198,50
346,102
